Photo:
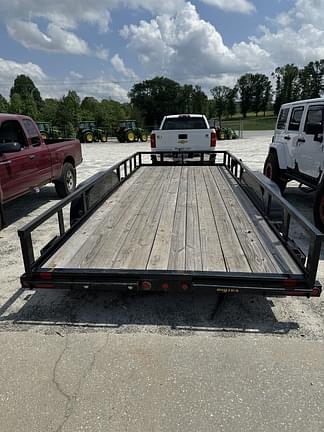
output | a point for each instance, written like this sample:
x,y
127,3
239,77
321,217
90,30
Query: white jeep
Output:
x,y
297,150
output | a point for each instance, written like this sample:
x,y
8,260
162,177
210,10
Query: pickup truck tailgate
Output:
x,y
183,140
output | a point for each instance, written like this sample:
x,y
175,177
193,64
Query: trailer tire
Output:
x,y
67,183
273,172
318,209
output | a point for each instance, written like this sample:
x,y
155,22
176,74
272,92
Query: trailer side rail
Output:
x,y
277,211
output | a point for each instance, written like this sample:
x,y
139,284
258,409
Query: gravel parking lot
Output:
x,y
107,361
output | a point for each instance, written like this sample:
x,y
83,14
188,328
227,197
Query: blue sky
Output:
x,y
101,47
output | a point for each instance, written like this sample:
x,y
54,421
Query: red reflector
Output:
x,y
153,140
316,292
213,139
146,285
184,286
165,286
46,275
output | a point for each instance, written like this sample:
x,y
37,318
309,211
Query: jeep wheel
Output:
x,y
66,184
272,171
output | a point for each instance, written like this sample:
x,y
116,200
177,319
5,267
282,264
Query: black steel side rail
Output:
x,y
305,284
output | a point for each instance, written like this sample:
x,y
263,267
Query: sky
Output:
x,y
101,48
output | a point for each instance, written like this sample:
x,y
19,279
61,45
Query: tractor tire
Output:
x,y
143,137
318,209
130,136
273,172
88,137
67,183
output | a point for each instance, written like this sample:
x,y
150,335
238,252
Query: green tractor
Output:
x,y
88,132
48,131
128,131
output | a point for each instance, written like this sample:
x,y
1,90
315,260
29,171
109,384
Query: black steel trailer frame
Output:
x,y
277,211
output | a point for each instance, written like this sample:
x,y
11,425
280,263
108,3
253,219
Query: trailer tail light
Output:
x,y
146,285
213,139
153,140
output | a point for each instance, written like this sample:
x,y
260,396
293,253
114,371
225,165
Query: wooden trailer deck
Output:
x,y
194,218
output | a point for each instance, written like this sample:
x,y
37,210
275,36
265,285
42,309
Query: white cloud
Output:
x,y
295,36
240,6
10,69
186,46
55,39
119,66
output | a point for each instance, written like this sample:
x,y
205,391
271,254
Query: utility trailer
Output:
x,y
178,225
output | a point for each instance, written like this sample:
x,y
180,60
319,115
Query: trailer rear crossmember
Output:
x,y
203,224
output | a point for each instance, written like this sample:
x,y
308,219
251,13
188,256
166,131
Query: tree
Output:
x,y
4,105
25,87
310,80
230,102
16,104
69,111
221,95
49,111
199,101
261,92
287,88
155,98
245,89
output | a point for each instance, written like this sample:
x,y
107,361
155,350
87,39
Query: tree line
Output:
x,y
151,99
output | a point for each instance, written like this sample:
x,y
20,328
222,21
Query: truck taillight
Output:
x,y
213,139
153,140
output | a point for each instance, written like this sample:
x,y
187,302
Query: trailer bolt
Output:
x,y
130,287
86,286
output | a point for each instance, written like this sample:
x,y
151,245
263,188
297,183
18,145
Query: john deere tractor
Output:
x,y
48,131
127,131
88,132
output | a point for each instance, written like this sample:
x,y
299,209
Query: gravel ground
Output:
x,y
47,318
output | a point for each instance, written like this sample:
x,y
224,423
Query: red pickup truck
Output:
x,y
28,161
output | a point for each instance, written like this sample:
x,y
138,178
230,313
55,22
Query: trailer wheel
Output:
x,y
318,210
272,171
66,184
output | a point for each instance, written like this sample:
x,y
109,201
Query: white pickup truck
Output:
x,y
185,134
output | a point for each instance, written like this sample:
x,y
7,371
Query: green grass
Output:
x,y
251,122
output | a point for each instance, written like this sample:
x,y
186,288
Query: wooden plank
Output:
x,y
107,236
136,249
85,237
193,246
177,257
277,251
232,250
160,252
113,238
255,251
211,250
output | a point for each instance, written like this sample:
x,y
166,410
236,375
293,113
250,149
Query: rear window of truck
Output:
x,y
184,123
